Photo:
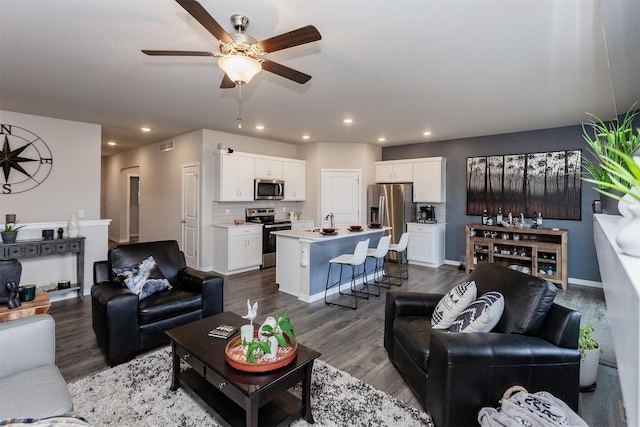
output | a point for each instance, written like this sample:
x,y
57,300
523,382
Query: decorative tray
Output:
x,y
236,358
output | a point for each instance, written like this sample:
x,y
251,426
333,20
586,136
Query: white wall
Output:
x,y
328,155
160,187
74,181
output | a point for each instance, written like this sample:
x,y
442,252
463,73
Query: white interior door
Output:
x,y
341,195
190,209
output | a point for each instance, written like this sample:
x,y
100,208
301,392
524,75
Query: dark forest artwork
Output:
x,y
526,183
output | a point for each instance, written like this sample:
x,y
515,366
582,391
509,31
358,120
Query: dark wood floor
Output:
x,y
350,340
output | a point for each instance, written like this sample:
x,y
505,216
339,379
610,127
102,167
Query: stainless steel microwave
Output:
x,y
268,189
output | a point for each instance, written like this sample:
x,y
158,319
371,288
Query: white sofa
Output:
x,y
31,385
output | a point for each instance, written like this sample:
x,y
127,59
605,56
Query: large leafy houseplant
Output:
x,y
623,175
611,146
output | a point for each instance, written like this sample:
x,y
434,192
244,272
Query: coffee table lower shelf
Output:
x,y
281,411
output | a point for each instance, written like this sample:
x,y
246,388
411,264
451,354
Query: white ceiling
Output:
x,y
458,68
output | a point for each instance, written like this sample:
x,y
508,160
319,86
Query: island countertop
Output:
x,y
302,258
314,234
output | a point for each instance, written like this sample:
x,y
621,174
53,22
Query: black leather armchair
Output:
x,y
454,375
125,325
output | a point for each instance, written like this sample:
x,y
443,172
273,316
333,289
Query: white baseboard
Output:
x,y
583,282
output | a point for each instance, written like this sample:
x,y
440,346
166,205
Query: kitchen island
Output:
x,y
302,259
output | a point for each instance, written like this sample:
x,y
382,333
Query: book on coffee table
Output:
x,y
223,331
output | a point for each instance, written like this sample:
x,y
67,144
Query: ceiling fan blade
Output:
x,y
196,10
175,53
227,83
286,72
297,37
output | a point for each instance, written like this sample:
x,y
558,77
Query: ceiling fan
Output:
x,y
242,56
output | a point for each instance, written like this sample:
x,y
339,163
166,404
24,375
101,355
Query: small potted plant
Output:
x,y
10,232
589,357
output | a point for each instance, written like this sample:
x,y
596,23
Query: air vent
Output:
x,y
166,146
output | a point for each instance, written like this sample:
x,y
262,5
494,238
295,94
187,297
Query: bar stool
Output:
x,y
401,257
378,253
354,260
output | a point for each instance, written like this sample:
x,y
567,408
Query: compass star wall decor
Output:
x,y
25,160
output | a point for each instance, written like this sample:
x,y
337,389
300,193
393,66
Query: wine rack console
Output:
x,y
539,252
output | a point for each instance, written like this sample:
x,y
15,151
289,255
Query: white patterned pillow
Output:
x,y
144,279
481,315
452,304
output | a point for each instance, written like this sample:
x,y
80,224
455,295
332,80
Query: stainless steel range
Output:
x,y
267,217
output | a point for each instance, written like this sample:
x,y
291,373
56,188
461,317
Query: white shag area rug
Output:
x,y
137,394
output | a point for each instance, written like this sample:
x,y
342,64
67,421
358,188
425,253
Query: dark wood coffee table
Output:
x,y
235,397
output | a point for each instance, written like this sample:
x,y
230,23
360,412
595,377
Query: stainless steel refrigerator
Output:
x,y
392,205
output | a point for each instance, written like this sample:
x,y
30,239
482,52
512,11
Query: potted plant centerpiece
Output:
x,y
275,332
609,143
10,232
589,357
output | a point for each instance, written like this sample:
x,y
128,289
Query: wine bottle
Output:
x,y
499,216
485,216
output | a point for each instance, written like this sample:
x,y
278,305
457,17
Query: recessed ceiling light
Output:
x,y
426,133
260,127
145,129
382,139
111,143
348,121
305,137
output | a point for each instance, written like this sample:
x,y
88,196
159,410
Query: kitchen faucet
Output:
x,y
331,219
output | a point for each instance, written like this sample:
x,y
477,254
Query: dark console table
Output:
x,y
40,247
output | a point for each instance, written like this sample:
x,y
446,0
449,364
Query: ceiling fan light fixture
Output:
x,y
239,68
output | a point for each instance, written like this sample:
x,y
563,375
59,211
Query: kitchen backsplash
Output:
x,y
222,213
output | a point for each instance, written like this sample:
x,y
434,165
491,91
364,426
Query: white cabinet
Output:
x,y
302,224
294,175
268,168
429,180
426,244
237,248
394,171
234,176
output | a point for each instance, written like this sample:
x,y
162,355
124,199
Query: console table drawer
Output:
x,y
14,252
31,250
47,248
61,247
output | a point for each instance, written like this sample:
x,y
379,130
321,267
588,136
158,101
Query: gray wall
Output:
x,y
583,263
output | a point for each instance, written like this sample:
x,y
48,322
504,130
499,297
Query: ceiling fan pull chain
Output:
x,y
239,105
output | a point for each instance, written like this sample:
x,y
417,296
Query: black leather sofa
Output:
x,y
125,325
454,375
